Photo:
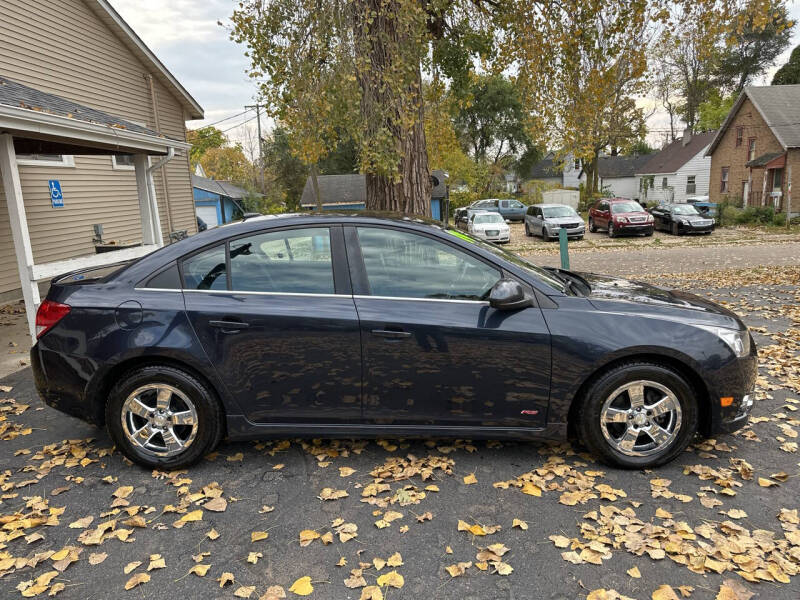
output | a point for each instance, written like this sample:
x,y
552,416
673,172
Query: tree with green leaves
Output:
x,y
204,139
753,46
328,66
713,112
789,73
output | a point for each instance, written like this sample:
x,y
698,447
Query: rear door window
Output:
x,y
206,270
289,261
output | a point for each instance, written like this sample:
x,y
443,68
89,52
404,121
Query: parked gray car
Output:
x,y
509,209
547,219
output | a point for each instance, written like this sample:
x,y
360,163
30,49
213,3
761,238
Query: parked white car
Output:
x,y
489,226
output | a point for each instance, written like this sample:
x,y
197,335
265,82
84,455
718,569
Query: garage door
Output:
x,y
209,215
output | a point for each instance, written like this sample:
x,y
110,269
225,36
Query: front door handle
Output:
x,y
229,326
391,335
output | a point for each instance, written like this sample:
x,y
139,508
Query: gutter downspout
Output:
x,y
151,188
158,129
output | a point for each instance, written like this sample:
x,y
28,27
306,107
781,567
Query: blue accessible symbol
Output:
x,y
56,197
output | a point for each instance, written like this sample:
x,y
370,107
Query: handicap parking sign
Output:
x,y
56,197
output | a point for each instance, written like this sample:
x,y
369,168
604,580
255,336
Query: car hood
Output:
x,y
559,220
690,218
616,294
636,213
502,225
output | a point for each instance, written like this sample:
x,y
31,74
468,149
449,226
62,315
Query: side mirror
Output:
x,y
508,294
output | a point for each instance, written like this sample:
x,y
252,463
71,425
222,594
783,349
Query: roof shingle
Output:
x,y
675,155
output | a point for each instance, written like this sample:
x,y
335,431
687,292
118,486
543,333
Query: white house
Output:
x,y
617,174
680,170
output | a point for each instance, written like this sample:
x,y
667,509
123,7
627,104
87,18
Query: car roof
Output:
x,y
619,200
552,205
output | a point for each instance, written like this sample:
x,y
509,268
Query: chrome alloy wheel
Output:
x,y
641,418
159,419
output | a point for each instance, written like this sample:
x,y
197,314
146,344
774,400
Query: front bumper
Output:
x,y
634,228
503,236
572,232
689,228
736,380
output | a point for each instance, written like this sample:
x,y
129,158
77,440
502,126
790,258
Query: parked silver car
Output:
x,y
547,219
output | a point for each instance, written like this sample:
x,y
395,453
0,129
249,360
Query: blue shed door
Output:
x,y
436,208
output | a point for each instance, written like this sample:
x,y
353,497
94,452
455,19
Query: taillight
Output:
x,y
48,315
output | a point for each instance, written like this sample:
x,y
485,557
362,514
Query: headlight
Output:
x,y
738,341
622,219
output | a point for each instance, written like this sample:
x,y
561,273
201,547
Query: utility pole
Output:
x,y
260,143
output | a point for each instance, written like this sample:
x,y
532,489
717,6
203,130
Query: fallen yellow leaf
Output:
x,y
302,586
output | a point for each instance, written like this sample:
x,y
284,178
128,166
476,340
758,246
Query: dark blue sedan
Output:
x,y
363,325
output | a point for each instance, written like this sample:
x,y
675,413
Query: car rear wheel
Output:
x,y
592,226
162,417
638,415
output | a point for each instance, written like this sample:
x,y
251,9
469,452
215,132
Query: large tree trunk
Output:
x,y
385,108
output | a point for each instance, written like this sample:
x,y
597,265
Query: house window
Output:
x,y
777,179
751,148
46,160
691,187
723,183
664,183
577,164
123,162
739,136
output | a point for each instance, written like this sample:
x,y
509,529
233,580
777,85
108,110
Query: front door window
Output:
x,y
407,265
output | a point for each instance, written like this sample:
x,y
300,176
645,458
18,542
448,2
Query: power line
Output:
x,y
245,122
227,118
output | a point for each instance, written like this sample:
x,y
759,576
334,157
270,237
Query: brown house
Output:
x,y
755,156
92,132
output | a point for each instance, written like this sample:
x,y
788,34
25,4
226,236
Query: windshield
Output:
x,y
684,209
559,211
492,218
544,276
625,207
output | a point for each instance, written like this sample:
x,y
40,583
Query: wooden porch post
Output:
x,y
19,229
148,207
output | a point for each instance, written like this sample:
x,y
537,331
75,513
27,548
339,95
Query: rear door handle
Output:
x,y
391,335
229,326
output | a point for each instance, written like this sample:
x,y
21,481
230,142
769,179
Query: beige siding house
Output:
x,y
83,52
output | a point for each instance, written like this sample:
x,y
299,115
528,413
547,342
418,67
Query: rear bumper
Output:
x,y
62,381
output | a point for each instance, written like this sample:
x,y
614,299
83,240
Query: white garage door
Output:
x,y
209,215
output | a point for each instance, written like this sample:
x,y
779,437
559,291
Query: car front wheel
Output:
x,y
638,415
611,232
163,417
592,226
675,230
527,231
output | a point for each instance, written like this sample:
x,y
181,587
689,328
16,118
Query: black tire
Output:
x,y
545,237
611,232
675,230
209,415
527,230
589,429
592,226
648,233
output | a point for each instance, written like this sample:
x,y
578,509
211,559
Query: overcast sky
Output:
x,y
186,36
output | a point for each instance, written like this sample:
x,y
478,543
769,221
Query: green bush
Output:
x,y
751,215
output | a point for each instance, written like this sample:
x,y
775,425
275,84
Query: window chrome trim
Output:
x,y
456,300
253,293
306,294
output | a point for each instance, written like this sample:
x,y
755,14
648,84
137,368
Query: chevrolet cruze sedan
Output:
x,y
364,325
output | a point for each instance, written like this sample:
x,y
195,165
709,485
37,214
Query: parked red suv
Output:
x,y
619,216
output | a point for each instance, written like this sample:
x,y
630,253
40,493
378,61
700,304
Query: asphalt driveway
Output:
x,y
415,519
